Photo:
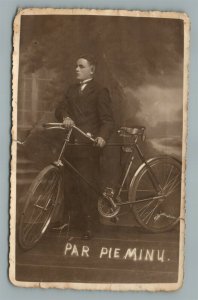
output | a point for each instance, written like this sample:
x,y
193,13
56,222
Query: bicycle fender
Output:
x,y
142,166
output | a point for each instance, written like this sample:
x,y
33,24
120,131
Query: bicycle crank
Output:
x,y
106,206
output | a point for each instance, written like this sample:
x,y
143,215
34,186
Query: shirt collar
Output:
x,y
85,81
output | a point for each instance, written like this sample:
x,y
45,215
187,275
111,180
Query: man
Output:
x,y
88,106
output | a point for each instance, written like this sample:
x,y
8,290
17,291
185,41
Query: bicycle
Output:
x,y
153,195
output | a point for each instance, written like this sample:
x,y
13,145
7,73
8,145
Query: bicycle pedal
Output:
x,y
61,227
119,199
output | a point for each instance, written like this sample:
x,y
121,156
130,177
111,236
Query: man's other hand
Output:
x,y
100,142
68,122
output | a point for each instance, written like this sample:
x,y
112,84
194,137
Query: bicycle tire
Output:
x,y
157,214
43,197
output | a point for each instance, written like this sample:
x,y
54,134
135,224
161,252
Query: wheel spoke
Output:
x,y
161,212
146,190
149,214
171,183
42,197
31,226
144,208
169,176
173,189
32,223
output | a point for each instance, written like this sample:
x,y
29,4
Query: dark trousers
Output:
x,y
80,200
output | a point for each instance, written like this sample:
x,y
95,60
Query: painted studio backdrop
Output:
x,y
140,60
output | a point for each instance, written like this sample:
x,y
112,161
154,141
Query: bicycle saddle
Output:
x,y
128,131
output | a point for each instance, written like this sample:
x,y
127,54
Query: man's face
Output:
x,y
84,70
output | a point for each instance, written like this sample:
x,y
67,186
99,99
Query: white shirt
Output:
x,y
83,83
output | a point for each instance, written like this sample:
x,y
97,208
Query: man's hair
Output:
x,y
89,57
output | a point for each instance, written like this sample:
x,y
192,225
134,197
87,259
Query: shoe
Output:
x,y
60,227
114,220
88,235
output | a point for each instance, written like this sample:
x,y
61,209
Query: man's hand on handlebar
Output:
x,y
100,142
68,122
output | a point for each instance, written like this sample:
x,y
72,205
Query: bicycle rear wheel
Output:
x,y
43,196
157,211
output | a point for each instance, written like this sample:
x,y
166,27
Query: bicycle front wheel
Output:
x,y
157,209
42,199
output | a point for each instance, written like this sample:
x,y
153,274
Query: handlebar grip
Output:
x,y
87,135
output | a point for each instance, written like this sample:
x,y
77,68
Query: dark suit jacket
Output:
x,y
90,110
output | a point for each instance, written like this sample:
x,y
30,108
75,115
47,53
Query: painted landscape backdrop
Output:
x,y
140,60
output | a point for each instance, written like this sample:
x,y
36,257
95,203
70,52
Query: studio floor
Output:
x,y
116,254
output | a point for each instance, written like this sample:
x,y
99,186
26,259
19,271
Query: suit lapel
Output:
x,y
88,88
81,97
77,100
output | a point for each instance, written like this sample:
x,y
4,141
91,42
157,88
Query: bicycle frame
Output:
x,y
151,215
134,147
61,159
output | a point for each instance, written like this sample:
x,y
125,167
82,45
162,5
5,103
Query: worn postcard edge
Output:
x,y
15,68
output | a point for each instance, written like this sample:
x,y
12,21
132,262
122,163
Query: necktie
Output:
x,y
82,86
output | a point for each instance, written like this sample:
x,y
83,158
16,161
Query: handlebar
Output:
x,y
87,135
124,131
61,126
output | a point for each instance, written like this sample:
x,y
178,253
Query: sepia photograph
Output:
x,y
99,130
